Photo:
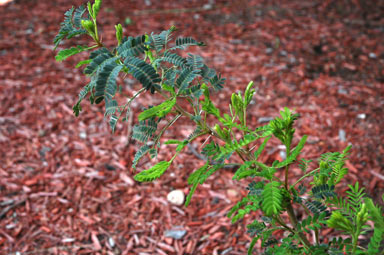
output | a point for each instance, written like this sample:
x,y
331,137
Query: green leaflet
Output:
x,y
272,198
96,8
63,54
83,62
295,152
71,26
184,42
139,154
106,81
261,148
194,180
143,72
144,130
338,221
195,62
132,47
159,110
152,173
173,59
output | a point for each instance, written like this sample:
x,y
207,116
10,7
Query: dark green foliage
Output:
x,y
255,228
195,62
98,62
139,154
184,42
185,78
323,191
315,207
144,130
71,26
132,47
106,81
217,82
173,58
143,72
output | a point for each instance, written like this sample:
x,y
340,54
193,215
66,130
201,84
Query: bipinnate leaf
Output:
x,y
152,173
159,110
272,199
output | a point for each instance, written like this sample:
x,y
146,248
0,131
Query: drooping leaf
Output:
x,y
139,154
195,62
132,47
152,173
217,82
159,110
106,80
98,62
71,26
112,122
143,72
173,58
185,78
144,130
184,42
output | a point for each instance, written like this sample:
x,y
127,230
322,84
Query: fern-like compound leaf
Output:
x,y
113,122
195,62
185,42
159,110
83,93
106,81
185,78
152,173
261,148
217,82
110,107
132,47
272,199
64,54
143,72
139,154
315,207
98,62
144,130
71,26
323,191
173,58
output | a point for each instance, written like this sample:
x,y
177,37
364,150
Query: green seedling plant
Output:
x,y
300,211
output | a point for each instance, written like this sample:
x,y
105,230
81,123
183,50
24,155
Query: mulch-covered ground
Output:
x,y
66,183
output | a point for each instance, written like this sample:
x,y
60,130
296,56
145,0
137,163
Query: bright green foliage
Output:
x,y
293,155
158,111
272,199
152,173
64,54
156,62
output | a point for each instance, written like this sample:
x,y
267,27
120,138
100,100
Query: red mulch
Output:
x,y
66,184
